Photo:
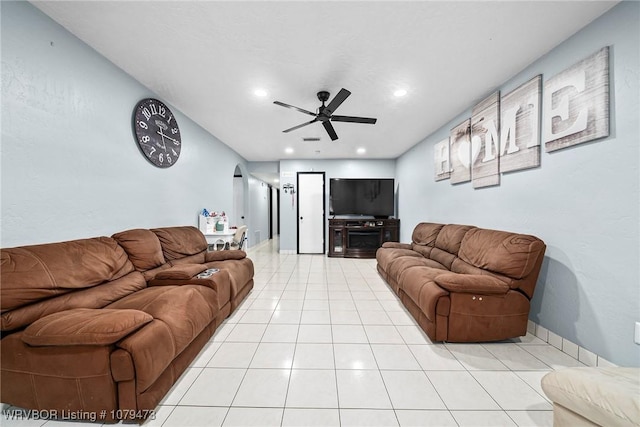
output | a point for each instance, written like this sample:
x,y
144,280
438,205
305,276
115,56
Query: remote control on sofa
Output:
x,y
207,273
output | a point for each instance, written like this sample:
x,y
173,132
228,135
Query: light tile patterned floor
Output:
x,y
324,342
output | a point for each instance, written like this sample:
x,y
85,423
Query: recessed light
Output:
x,y
260,92
276,180
288,150
400,92
361,150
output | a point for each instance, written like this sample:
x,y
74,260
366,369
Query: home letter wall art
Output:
x,y
503,132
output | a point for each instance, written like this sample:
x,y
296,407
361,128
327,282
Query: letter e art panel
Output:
x,y
576,103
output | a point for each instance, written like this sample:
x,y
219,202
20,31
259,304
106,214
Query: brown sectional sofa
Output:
x,y
463,283
110,323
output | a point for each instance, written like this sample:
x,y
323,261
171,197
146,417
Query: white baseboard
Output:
x,y
564,345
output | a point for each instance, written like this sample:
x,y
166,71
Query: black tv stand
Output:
x,y
360,238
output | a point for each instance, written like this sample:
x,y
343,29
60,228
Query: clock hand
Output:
x,y
162,135
168,137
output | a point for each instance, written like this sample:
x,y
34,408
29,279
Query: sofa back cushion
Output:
x,y
447,244
511,254
34,273
143,248
180,242
425,233
94,297
450,237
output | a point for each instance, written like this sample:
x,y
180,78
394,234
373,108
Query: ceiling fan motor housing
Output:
x,y
323,96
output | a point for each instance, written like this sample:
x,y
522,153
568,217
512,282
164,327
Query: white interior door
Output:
x,y
238,201
311,213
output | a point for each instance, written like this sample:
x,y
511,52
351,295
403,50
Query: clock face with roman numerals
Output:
x,y
157,132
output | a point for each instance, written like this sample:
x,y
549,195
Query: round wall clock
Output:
x,y
157,132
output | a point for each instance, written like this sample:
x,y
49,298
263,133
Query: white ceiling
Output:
x,y
206,58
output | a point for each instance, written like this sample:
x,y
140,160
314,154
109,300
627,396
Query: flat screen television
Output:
x,y
360,196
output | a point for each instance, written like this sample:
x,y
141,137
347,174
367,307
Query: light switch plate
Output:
x,y
637,334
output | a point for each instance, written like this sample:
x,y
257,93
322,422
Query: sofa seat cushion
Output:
x,y
219,281
240,272
419,285
180,313
384,256
185,309
605,396
84,326
399,265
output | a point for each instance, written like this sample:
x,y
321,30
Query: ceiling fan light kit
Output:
x,y
325,113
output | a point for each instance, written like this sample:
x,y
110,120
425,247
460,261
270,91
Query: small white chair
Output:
x,y
239,238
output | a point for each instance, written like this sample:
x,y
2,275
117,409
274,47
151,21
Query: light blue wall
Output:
x,y
70,165
583,202
332,169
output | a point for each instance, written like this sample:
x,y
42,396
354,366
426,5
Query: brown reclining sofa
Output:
x,y
107,325
462,283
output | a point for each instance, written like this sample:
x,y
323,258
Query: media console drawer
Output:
x,y
360,238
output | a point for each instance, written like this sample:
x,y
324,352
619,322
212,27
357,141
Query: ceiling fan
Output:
x,y
325,113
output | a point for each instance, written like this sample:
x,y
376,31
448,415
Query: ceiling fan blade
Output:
x,y
282,104
367,120
299,126
330,130
337,100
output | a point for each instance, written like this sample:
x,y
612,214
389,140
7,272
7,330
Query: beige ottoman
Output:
x,y
594,396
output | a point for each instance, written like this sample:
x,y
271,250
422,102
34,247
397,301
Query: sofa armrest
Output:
x,y
472,283
396,245
224,255
181,272
84,326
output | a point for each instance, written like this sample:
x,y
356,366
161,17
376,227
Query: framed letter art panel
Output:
x,y
576,103
485,142
519,124
460,152
441,159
